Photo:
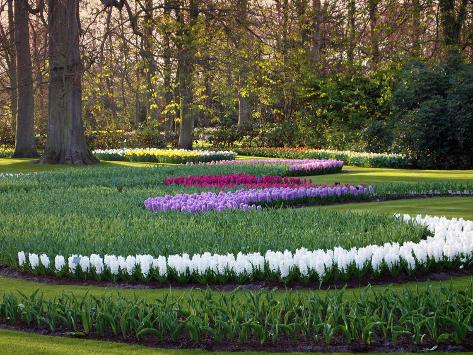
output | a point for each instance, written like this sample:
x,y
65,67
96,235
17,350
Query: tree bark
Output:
x,y
374,39
452,22
66,140
316,33
186,72
11,63
25,146
416,30
243,95
147,54
167,74
351,32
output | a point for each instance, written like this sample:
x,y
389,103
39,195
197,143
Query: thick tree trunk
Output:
x,y
66,140
25,146
186,72
452,22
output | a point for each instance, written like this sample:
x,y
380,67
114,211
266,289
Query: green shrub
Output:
x,y
433,114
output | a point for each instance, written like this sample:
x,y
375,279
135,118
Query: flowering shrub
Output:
x,y
374,160
295,167
172,156
232,180
255,198
450,246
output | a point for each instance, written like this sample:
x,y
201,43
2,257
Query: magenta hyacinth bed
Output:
x,y
254,198
233,180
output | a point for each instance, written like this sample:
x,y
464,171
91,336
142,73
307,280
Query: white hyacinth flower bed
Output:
x,y
450,247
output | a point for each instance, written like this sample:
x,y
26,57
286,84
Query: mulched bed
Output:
x,y
252,286
282,345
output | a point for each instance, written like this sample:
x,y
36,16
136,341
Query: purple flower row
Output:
x,y
253,198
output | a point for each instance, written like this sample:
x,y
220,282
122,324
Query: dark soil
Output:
x,y
256,285
299,344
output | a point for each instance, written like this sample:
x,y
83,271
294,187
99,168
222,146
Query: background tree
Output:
x,y
25,146
66,142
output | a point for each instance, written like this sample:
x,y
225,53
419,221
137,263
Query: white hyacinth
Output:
x,y
452,240
21,258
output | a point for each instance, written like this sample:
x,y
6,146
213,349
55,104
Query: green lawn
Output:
x,y
437,206
355,175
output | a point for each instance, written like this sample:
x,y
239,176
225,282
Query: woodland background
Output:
x,y
368,75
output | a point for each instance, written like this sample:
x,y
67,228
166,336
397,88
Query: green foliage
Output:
x,y
146,136
83,211
6,152
416,317
338,108
433,114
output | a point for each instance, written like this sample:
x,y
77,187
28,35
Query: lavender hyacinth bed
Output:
x,y
254,198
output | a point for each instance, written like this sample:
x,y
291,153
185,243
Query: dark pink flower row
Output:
x,y
232,180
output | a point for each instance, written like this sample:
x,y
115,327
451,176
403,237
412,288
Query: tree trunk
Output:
x,y
374,40
351,32
316,33
11,64
243,95
25,146
147,54
66,140
416,30
167,74
452,23
301,9
186,71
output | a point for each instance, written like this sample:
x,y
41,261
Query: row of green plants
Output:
x,y
373,160
386,318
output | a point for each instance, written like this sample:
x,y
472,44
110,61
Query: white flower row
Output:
x,y
452,241
5,175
